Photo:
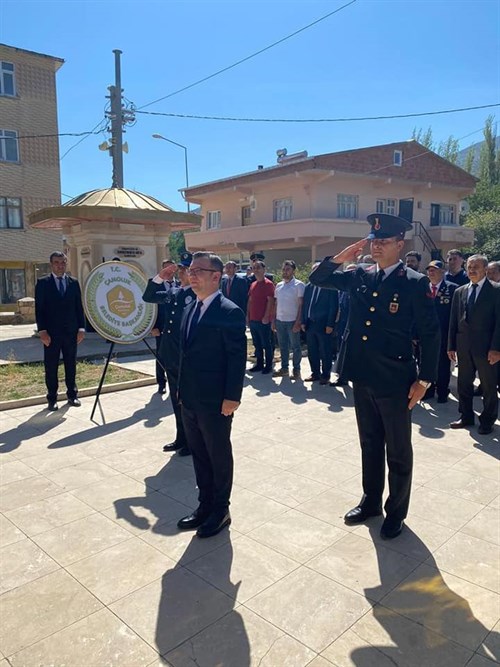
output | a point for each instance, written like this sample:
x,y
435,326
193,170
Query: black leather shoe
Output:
x,y
192,521
255,369
338,383
216,522
267,371
391,528
172,447
484,430
52,407
75,402
162,390
184,451
461,423
359,514
443,399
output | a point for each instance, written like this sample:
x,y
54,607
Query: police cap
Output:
x,y
257,255
385,226
185,259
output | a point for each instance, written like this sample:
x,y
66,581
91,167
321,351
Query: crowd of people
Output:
x,y
392,329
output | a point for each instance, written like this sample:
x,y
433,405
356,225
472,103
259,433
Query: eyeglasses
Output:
x,y
195,272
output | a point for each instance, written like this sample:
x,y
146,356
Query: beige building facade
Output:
x,y
29,168
305,208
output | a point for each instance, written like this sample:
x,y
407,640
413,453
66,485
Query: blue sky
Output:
x,y
375,57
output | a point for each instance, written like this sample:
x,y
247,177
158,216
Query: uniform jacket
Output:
x,y
212,364
377,340
482,332
173,303
56,314
324,310
238,293
442,304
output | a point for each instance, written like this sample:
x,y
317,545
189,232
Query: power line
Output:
x,y
92,131
60,134
253,55
316,120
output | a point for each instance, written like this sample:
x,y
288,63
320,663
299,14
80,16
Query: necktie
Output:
x,y
470,302
379,277
61,285
194,321
314,298
228,286
434,291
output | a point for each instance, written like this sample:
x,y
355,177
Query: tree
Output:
x,y
486,226
489,167
424,137
449,148
176,245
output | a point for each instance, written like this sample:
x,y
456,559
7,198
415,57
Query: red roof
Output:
x,y
419,164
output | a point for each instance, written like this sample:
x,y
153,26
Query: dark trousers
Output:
x,y
320,350
51,354
384,425
209,438
172,379
442,386
468,364
160,373
262,342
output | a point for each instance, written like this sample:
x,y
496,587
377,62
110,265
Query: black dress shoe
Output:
x,y
216,522
267,371
184,451
172,447
442,399
162,390
359,514
75,402
461,423
484,430
52,407
255,369
391,528
192,521
338,383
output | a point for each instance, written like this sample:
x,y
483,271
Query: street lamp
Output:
x,y
160,136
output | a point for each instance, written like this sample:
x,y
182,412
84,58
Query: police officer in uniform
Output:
x,y
174,300
442,292
385,300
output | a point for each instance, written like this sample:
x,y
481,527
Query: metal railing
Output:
x,y
427,242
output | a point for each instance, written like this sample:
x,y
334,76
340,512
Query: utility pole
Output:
x,y
116,116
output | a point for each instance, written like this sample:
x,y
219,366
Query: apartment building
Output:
x,y
29,168
308,207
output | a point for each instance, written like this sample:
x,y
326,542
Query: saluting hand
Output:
x,y
350,253
228,407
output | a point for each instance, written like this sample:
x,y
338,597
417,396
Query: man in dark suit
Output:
x,y
211,374
234,287
169,282
61,326
319,313
385,301
442,292
474,339
173,300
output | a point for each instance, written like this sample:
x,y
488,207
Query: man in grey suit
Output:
x,y
474,338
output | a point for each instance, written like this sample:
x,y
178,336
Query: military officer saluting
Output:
x,y
175,300
386,299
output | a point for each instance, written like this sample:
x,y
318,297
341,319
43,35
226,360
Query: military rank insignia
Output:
x,y
393,307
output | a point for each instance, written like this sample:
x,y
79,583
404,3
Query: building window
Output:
x,y
7,86
398,159
246,215
442,214
387,206
282,209
347,206
10,213
213,219
9,150
12,285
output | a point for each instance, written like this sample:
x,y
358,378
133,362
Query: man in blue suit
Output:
x,y
319,312
234,287
61,327
211,374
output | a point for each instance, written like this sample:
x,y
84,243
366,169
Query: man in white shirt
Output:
x,y
289,295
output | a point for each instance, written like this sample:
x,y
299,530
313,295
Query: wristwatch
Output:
x,y
424,384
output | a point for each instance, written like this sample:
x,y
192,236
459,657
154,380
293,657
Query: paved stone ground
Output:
x,y
94,572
